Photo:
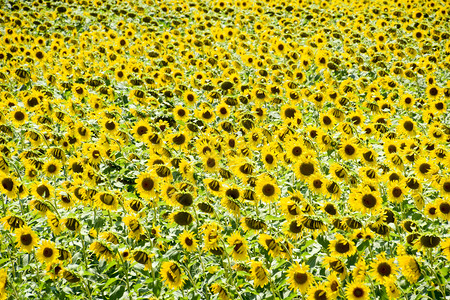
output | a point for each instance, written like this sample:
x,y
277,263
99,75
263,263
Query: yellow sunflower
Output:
x,y
172,275
47,252
299,278
26,238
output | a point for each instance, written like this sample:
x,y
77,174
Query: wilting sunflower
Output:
x,y
143,258
102,250
26,238
172,275
383,269
47,252
106,200
267,189
271,244
221,292
134,226
12,222
3,281
357,291
299,278
259,274
188,241
239,246
182,218
409,268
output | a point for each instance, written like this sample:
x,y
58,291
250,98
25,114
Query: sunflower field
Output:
x,y
217,149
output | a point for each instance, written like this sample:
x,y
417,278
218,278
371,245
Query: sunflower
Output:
x,y
266,188
299,278
365,200
410,268
306,167
392,290
42,190
182,218
143,258
12,222
425,169
357,291
47,252
106,200
19,116
8,186
52,167
172,275
290,208
140,130
407,127
396,191
221,292
239,246
3,282
270,244
336,265
259,274
349,149
319,292
427,241
188,241
295,149
317,184
135,228
147,185
211,163
341,247
383,269
26,238
102,250
443,208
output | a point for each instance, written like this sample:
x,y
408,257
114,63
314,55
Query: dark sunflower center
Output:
x,y
232,193
294,227
439,106
77,167
142,130
8,184
79,91
51,168
424,168
181,112
444,208
392,149
188,241
369,200
397,192
185,199
408,125
223,111
297,151
342,247
110,125
183,218
349,150
19,116
433,91
446,187
211,162
43,191
300,278
268,190
147,184
26,239
317,183
269,158
48,252
358,292
307,169
429,241
330,209
179,139
290,112
356,120
412,184
384,269
326,120
320,295
237,247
